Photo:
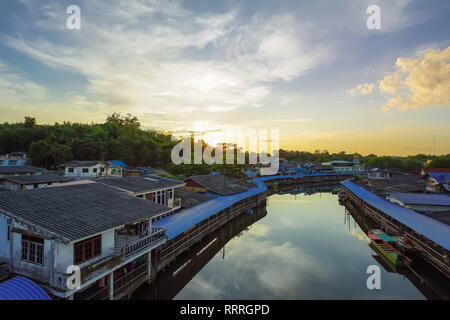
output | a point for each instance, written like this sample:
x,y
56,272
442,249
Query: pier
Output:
x,y
429,236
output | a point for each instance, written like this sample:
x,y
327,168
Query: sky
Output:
x,y
311,69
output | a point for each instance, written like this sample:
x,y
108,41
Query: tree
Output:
x,y
440,162
29,122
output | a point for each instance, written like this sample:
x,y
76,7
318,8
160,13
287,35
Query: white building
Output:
x,y
90,169
97,228
341,166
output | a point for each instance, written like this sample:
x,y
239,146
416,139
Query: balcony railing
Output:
x,y
128,245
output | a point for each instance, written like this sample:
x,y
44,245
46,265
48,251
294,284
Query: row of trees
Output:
x,y
120,137
413,163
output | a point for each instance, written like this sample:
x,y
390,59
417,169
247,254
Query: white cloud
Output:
x,y
364,88
15,86
417,82
140,55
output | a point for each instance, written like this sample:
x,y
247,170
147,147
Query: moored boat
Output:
x,y
384,248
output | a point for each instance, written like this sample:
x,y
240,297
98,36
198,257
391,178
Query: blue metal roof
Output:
x,y
430,228
187,218
422,198
118,163
441,177
20,288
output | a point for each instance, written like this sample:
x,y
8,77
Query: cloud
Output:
x,y
419,83
15,86
293,120
365,88
151,57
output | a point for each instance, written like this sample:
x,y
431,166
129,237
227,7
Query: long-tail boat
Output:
x,y
381,244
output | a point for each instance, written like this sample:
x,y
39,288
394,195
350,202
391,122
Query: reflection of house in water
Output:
x,y
431,283
169,282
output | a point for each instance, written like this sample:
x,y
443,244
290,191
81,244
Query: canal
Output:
x,y
299,247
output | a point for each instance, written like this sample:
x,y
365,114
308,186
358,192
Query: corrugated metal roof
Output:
x,y
81,163
221,184
441,177
41,178
20,169
422,198
20,288
141,183
76,211
430,228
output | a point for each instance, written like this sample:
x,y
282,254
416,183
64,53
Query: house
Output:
x,y
217,185
91,169
7,171
341,166
14,159
46,234
379,174
154,188
26,182
383,182
421,202
438,179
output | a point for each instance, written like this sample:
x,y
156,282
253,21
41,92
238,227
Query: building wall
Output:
x,y
64,252
13,162
78,171
37,272
343,169
378,175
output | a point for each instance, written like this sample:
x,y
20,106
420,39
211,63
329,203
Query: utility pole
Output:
x,y
434,144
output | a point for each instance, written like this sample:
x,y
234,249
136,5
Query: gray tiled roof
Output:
x,y
221,184
74,212
190,198
20,169
81,163
41,178
140,183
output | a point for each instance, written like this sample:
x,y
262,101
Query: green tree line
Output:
x,y
119,137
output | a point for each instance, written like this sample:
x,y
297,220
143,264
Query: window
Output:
x,y
94,170
87,249
70,170
85,170
171,194
12,162
33,250
163,198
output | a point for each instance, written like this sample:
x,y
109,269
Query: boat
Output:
x,y
383,247
376,234
342,197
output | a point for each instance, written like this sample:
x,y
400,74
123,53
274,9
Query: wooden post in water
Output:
x,y
111,286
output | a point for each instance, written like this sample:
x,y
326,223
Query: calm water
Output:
x,y
303,249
